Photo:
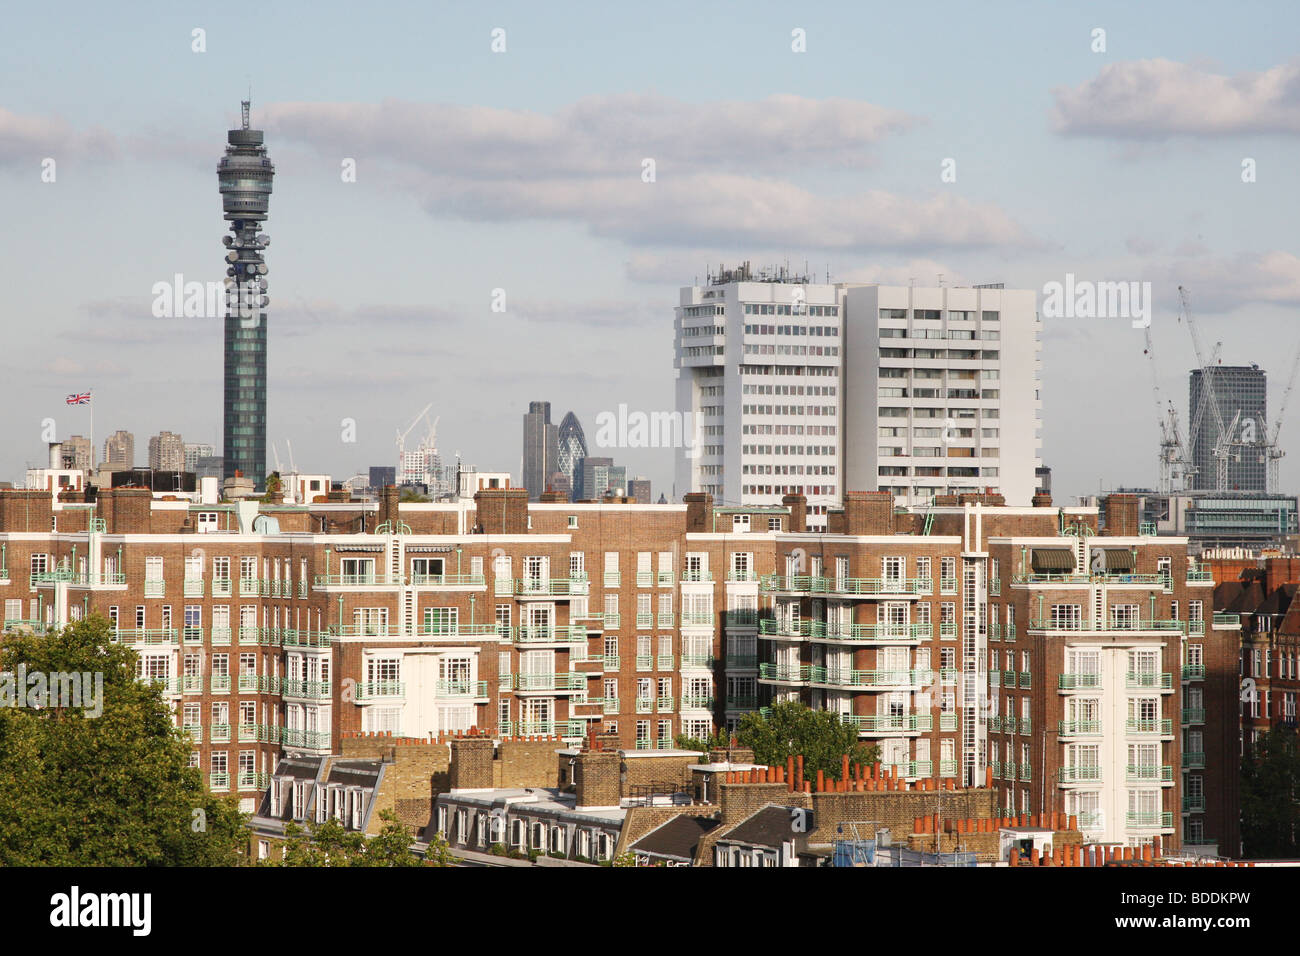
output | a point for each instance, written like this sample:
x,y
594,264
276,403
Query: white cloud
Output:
x,y
29,139
1157,98
718,169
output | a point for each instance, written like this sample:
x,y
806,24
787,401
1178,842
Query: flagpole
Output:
x,y
91,393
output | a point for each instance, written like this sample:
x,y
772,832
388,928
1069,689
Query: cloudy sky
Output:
x,y
521,171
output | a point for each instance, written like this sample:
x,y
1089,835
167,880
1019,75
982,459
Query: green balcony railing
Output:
x,y
191,683
808,584
1140,773
558,634
612,662
258,734
254,780
742,702
1193,760
565,680
742,660
305,739
1145,819
696,702
1193,672
1226,619
947,722
645,619
947,629
195,732
219,683
221,635
345,581
1159,681
666,579
645,662
1079,774
1078,681
372,690
311,689
1078,728
1193,804
219,733
1193,715
248,587
691,577
644,705
218,781
947,768
1060,625
222,587
889,723
665,619
155,589
691,660
448,580
611,579
664,705
645,579
147,635
1136,725
467,688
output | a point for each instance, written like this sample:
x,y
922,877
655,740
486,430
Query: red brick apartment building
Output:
x,y
966,637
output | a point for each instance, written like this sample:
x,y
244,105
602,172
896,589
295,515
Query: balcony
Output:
x,y
1193,804
456,630
221,635
947,722
219,683
744,617
612,579
741,576
1073,625
370,691
248,587
1008,679
155,589
146,635
843,632
1078,681
645,662
469,688
1079,774
322,582
258,734
611,705
193,587
884,724
191,684
645,619
645,579
696,576
702,661
1159,681
448,580
742,660
253,684
850,587
666,579
665,619
219,733
1225,620
1026,680
307,689
566,680
293,637
254,780
222,587
1193,760
1078,728
697,618
948,630
1199,575
1164,728
947,585
645,705
559,634
948,676
293,737
195,732
947,768
868,679
741,702
1193,715
1138,819
1193,672
1026,772
697,702
664,705
218,781
612,662
1149,773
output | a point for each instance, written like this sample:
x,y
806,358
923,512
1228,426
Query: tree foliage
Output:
x,y
331,844
792,728
1270,796
719,739
109,790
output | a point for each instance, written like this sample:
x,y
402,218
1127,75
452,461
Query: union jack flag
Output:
x,y
80,398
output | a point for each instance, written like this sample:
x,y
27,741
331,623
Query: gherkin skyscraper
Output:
x,y
244,175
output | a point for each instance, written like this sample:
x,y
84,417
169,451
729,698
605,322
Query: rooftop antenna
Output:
x,y
243,108
941,280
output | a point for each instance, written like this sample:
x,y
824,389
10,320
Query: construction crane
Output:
x,y
401,438
1273,450
1176,466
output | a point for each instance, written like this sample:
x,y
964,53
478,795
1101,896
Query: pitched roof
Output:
x,y
769,827
677,838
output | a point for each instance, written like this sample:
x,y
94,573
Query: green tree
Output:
x,y
109,790
793,728
411,495
331,844
704,745
274,489
1270,791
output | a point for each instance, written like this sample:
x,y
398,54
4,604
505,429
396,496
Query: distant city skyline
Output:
x,y
485,228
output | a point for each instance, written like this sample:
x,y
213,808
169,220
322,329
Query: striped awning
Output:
x,y
1052,560
1117,559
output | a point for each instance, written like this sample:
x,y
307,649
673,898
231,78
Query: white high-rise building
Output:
x,y
791,386
941,389
759,359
